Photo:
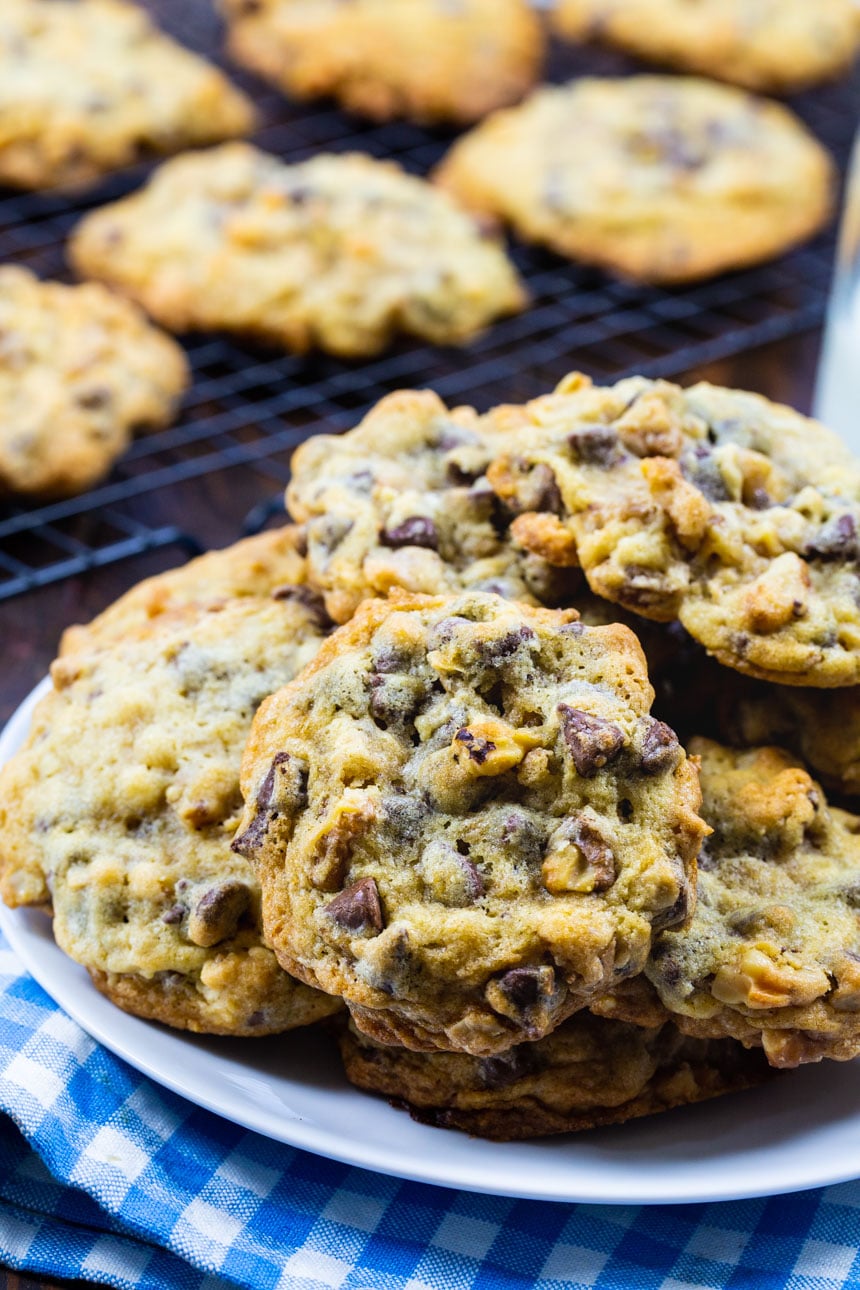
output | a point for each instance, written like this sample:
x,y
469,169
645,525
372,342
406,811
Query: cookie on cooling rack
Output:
x,y
402,501
733,514
428,60
465,821
587,1073
339,252
80,371
770,45
86,85
119,811
770,956
661,179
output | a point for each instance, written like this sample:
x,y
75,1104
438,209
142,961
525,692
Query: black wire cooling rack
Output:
x,y
249,407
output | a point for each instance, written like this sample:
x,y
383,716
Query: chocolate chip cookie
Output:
x,y
339,252
429,60
87,85
81,370
587,1073
119,811
661,179
403,501
770,45
716,507
772,954
465,821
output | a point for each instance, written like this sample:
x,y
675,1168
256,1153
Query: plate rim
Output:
x,y
307,1136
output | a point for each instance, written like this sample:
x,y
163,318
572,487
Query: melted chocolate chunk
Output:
x,y
505,646
357,908
217,914
595,445
417,530
835,540
700,467
593,741
506,1068
309,599
660,748
596,852
174,915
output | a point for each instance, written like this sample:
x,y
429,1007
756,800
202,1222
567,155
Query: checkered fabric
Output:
x,y
106,1177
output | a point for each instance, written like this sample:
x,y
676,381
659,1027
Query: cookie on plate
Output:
x,y
662,179
771,45
465,821
587,1073
339,252
428,60
402,501
119,812
87,85
738,516
271,564
80,371
771,954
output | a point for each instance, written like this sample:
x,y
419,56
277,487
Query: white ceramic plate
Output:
x,y
801,1131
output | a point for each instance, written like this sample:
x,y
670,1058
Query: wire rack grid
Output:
x,y
249,407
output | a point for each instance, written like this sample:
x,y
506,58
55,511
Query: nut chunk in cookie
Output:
x,y
339,253
657,178
772,954
735,515
119,812
87,85
589,1072
402,501
465,821
769,45
428,60
81,370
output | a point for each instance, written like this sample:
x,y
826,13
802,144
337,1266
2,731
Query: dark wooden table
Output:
x,y
30,626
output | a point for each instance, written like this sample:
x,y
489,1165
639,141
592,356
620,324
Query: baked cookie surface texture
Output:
x,y
661,179
587,1073
80,371
771,954
738,516
428,60
465,821
770,45
339,252
119,812
87,85
402,501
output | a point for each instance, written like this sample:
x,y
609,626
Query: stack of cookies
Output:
x,y
400,767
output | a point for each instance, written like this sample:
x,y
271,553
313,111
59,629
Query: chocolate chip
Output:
x,y
505,646
506,1068
545,492
660,749
404,815
217,913
524,986
357,908
525,838
676,912
174,915
415,531
835,540
98,397
286,780
595,445
593,741
596,852
455,437
700,467
479,749
460,477
309,599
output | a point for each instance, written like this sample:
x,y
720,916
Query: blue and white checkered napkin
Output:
x,y
105,1176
